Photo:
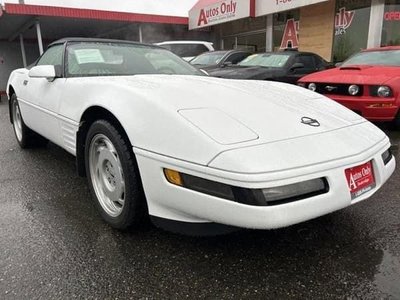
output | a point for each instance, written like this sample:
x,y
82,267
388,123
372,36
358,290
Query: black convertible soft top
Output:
x,y
98,40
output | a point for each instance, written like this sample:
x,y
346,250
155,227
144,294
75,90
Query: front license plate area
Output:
x,y
360,179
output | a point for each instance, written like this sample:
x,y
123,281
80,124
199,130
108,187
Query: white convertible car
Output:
x,y
200,155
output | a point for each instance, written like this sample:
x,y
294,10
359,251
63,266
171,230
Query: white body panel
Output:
x,y
259,143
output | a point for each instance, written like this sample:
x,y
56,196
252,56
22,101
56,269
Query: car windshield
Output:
x,y
270,60
108,59
209,58
382,58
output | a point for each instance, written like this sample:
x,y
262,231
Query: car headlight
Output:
x,y
312,87
387,156
354,89
300,190
384,91
256,197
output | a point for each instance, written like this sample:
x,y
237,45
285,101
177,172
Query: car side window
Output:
x,y
53,56
307,61
320,63
236,57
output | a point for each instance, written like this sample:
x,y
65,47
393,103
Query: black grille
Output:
x,y
337,89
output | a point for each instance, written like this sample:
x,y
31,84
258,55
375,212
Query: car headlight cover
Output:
x,y
354,89
387,156
384,91
312,87
256,197
297,190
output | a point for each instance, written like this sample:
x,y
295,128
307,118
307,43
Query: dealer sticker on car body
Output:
x,y
360,179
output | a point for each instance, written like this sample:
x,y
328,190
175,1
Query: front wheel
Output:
x,y
113,176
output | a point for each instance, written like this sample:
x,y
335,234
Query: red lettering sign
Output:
x,y
212,14
290,37
392,16
343,20
202,18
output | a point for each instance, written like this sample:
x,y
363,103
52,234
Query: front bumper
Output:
x,y
179,204
371,108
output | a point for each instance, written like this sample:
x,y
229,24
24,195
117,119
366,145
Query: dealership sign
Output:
x,y
343,20
266,7
290,38
204,14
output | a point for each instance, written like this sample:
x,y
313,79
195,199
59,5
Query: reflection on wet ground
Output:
x,y
54,245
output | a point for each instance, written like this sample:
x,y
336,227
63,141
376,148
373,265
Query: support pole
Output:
x,y
140,34
21,41
39,37
376,23
269,38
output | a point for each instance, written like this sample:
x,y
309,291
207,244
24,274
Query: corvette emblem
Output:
x,y
330,88
310,121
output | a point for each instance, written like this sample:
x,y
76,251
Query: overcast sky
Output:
x,y
157,7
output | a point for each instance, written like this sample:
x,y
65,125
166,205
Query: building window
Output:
x,y
351,28
391,23
245,34
286,30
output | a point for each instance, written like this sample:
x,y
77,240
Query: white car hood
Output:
x,y
198,118
264,111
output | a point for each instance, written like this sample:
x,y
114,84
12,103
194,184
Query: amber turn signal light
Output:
x,y
173,177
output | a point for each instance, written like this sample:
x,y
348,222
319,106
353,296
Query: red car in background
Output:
x,y
367,83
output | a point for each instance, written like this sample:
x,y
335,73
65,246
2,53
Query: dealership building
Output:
x,y
334,29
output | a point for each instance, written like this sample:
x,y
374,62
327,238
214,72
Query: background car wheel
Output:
x,y
113,176
396,121
26,137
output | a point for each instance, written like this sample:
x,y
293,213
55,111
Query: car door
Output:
x,y
44,97
308,62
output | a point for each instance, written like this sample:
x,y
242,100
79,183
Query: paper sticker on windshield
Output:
x,y
84,56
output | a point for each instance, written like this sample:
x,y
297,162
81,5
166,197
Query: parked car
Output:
x,y
286,66
219,59
187,49
367,83
190,150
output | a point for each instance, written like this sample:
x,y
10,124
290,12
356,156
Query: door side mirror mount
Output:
x,y
45,71
227,64
297,66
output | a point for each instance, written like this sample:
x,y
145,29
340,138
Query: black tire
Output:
x,y
134,211
26,137
396,121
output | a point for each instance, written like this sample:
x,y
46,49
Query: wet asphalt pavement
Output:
x,y
53,245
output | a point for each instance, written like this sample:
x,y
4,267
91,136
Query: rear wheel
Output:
x,y
113,176
26,137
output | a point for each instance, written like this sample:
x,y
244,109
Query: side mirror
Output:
x,y
227,64
45,71
339,64
204,72
297,66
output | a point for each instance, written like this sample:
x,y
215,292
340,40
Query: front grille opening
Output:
x,y
337,89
